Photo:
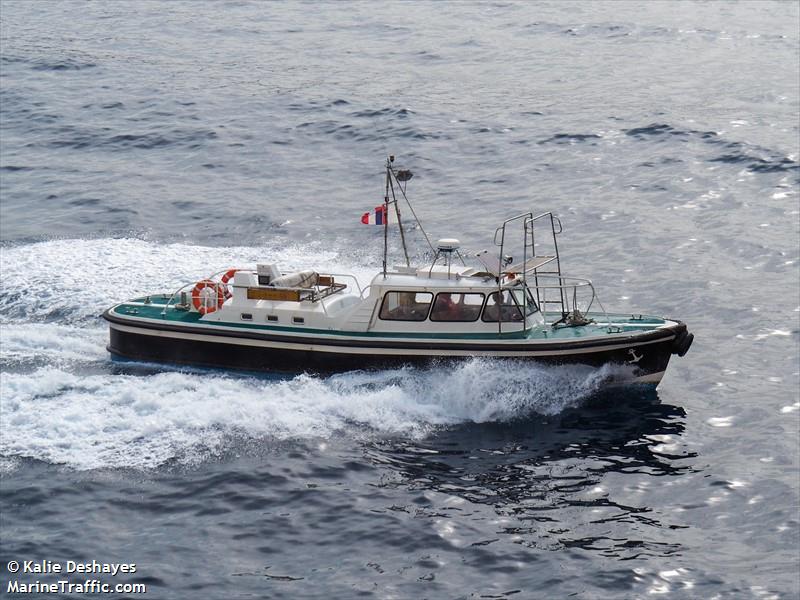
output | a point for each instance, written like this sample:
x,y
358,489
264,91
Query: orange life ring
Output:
x,y
202,302
225,279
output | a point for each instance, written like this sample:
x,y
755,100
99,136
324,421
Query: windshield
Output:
x,y
530,306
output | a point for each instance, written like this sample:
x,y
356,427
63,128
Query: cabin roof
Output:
x,y
436,278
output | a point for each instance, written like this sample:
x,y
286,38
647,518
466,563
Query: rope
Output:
x,y
416,218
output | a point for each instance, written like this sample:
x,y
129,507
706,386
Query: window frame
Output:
x,y
531,301
477,316
386,295
499,318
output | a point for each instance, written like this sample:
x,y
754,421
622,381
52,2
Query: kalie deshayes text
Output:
x,y
41,567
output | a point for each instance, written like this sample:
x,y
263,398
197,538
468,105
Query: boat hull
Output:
x,y
643,357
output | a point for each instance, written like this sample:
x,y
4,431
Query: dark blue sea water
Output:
x,y
148,144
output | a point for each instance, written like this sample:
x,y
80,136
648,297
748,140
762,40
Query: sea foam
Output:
x,y
75,280
143,421
63,401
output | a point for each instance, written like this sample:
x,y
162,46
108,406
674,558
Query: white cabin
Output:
x,y
437,299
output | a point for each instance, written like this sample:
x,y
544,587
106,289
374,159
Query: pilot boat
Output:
x,y
261,318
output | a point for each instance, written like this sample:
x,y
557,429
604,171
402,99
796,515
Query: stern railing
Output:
x,y
316,293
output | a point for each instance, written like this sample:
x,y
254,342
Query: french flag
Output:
x,y
376,218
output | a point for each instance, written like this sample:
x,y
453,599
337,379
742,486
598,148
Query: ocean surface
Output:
x,y
147,144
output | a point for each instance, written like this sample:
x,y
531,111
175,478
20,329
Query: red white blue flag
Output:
x,y
378,217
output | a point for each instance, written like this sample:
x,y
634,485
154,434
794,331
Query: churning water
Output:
x,y
144,145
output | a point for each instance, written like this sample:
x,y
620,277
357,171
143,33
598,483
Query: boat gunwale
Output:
x,y
372,339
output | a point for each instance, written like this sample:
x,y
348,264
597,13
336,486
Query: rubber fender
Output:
x,y
682,343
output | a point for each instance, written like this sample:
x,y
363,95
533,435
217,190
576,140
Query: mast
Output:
x,y
386,212
401,177
399,223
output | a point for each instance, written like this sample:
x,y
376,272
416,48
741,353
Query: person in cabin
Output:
x,y
445,309
505,309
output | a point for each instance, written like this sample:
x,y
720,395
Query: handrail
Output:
x,y
566,283
353,277
174,294
552,216
185,286
528,232
506,222
501,231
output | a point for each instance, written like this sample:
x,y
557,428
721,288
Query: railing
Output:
x,y
568,289
314,294
349,276
529,243
186,286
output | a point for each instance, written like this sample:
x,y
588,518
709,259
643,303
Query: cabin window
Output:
x,y
457,307
501,307
298,320
247,316
272,317
530,305
405,306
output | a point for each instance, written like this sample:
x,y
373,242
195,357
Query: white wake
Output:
x,y
63,401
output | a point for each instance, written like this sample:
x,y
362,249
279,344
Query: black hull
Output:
x,y
646,359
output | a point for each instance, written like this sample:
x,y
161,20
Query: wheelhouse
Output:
x,y
467,301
